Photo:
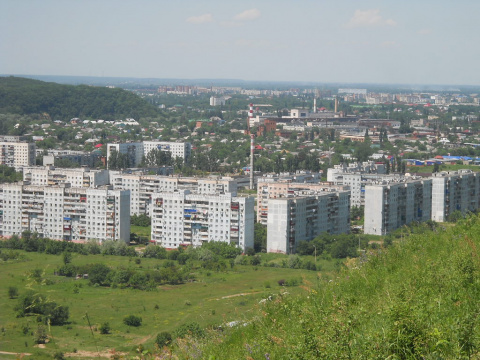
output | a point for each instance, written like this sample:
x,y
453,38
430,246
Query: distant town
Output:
x,y
216,163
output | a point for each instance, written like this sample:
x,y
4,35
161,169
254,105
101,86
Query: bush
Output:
x,y
105,328
132,320
12,292
163,339
192,329
40,336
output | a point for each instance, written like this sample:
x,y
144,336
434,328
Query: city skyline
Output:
x,y
428,42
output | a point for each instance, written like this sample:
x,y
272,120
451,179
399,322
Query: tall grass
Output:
x,y
416,300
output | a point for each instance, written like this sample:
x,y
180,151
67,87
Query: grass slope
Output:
x,y
416,300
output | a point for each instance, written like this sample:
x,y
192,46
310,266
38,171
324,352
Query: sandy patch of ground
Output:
x,y
93,354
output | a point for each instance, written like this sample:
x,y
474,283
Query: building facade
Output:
x,y
65,213
389,206
182,218
303,217
454,191
80,177
17,154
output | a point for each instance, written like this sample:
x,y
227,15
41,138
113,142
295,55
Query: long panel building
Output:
x,y
61,212
389,206
182,218
17,154
303,215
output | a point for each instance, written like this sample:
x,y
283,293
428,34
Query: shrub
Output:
x,y
163,339
192,329
40,336
12,292
105,328
132,320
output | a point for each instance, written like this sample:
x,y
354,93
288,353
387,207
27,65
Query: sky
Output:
x,y
325,41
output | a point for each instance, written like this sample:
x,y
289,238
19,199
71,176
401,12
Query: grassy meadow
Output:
x,y
213,299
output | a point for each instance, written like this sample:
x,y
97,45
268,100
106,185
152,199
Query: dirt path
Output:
x,y
13,353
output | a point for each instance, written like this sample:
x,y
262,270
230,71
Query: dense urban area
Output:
x,y
216,176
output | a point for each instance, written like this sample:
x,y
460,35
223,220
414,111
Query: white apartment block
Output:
x,y
356,176
17,154
143,186
293,219
81,177
133,150
454,190
182,218
176,149
268,190
137,150
217,101
65,213
390,206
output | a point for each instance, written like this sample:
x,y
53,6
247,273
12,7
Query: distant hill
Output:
x,y
28,96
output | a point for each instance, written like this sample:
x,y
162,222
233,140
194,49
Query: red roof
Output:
x,y
98,145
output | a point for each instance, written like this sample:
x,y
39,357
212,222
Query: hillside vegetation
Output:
x,y
416,300
27,96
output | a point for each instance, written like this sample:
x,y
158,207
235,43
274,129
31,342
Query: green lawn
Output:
x,y
213,299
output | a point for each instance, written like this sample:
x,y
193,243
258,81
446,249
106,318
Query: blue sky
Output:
x,y
347,41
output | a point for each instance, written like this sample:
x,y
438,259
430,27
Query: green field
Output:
x,y
214,298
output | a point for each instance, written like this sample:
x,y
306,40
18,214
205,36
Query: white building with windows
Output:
x,y
80,177
454,191
389,206
176,149
17,154
305,215
65,213
134,150
182,218
143,186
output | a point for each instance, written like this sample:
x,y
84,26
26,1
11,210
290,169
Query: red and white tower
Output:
x,y
250,117
252,151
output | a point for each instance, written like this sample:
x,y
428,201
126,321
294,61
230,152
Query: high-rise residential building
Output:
x,y
17,154
176,149
137,150
269,189
133,150
80,177
61,212
454,191
389,206
303,215
182,218
143,186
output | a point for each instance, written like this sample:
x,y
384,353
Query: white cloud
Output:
x,y
366,18
247,15
201,19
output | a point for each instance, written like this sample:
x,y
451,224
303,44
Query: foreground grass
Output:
x,y
213,299
417,300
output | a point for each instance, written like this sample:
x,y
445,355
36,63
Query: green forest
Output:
x,y
55,101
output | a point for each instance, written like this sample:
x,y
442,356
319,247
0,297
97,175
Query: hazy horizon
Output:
x,y
349,42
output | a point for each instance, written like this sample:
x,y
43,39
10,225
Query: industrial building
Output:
x,y
61,212
182,218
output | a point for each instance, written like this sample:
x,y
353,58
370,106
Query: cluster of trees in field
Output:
x,y
27,96
9,175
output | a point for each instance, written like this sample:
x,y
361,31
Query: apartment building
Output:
x,y
454,190
267,190
182,218
137,150
17,154
389,206
305,215
61,212
80,177
143,186
134,150
356,176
